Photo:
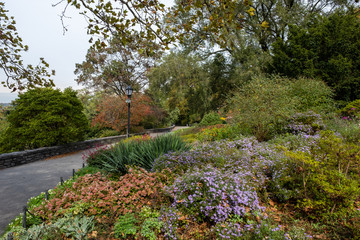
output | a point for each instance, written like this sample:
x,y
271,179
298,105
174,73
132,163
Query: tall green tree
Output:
x,y
228,24
180,85
220,81
327,48
18,76
44,117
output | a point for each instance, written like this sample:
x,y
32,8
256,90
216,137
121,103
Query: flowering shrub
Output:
x,y
351,110
95,195
245,155
222,183
212,195
308,123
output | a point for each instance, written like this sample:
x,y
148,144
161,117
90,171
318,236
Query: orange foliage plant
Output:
x,y
113,111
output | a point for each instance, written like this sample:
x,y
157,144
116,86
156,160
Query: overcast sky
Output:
x,y
39,25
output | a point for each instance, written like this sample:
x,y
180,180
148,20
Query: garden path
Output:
x,y
18,184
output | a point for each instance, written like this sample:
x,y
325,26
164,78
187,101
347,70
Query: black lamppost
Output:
x,y
129,92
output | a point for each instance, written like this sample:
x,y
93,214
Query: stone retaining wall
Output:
x,y
18,158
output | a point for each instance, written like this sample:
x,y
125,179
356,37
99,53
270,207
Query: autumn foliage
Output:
x,y
113,112
97,195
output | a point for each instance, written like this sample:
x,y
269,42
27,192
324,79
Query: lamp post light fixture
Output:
x,y
129,92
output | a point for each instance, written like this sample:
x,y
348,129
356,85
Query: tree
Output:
x,y
195,22
328,48
44,117
131,20
220,81
113,112
151,20
18,76
180,85
116,66
224,24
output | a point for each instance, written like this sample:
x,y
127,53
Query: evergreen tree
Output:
x,y
44,117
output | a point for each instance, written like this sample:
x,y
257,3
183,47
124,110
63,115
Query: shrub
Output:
x,y
125,226
241,156
67,227
212,197
145,224
321,177
351,110
211,119
44,117
263,106
308,123
137,138
348,129
95,195
219,132
95,157
108,133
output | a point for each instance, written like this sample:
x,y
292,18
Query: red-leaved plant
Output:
x,y
96,195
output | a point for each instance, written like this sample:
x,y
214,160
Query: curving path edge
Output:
x,y
18,184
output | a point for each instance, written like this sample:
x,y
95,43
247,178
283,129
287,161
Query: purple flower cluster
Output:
x,y
245,156
308,123
231,230
169,217
222,179
214,195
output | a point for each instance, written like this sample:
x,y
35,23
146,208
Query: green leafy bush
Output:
x,y
321,177
219,132
351,110
108,133
211,119
152,224
349,130
44,117
263,106
125,225
67,227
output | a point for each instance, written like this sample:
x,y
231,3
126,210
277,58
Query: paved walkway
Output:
x,y
18,184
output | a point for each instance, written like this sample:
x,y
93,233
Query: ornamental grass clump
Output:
x,y
136,153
